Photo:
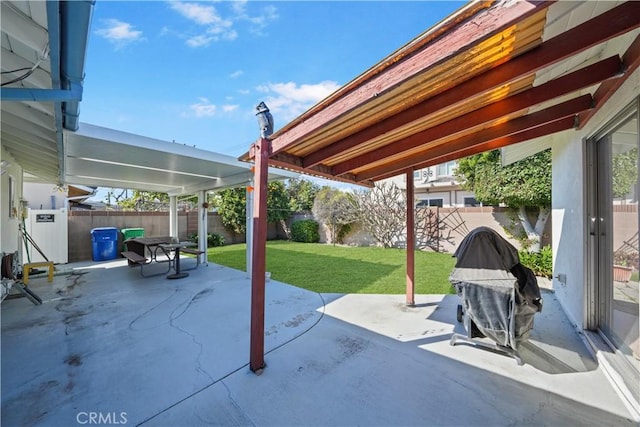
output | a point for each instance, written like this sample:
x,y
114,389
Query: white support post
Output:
x,y
173,216
202,226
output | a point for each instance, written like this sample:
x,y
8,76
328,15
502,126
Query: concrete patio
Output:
x,y
123,349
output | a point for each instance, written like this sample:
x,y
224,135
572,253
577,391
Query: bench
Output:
x,y
134,258
192,251
26,269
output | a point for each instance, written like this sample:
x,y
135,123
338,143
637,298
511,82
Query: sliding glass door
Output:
x,y
615,227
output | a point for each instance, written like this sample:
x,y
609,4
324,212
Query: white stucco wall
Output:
x,y
570,233
9,236
568,214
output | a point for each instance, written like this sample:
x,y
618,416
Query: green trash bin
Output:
x,y
129,233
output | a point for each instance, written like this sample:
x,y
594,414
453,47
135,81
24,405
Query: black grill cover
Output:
x,y
499,294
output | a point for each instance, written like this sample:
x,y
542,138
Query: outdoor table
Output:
x,y
141,244
176,247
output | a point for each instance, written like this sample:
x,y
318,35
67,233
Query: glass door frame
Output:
x,y
599,290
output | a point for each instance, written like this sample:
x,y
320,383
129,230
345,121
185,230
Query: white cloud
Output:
x,y
119,33
215,26
267,15
288,100
236,74
203,15
200,40
203,108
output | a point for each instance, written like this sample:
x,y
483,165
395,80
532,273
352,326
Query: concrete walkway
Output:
x,y
123,349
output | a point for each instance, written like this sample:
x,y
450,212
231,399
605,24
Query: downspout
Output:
x,y
75,20
68,23
54,28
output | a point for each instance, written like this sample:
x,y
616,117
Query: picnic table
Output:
x,y
143,251
175,247
144,246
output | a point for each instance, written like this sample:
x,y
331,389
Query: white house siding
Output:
x,y
9,239
570,232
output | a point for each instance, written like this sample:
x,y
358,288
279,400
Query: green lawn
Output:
x,y
340,269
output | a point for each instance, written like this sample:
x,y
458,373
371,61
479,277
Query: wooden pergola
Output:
x,y
464,87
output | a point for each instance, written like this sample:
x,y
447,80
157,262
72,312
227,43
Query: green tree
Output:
x,y
232,206
336,209
302,193
145,201
278,202
524,186
625,172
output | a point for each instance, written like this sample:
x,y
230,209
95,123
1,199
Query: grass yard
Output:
x,y
340,269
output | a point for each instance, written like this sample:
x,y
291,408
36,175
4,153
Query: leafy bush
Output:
x,y
541,262
305,231
213,240
626,259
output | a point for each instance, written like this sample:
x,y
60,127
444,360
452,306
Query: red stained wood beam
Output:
x,y
517,126
259,246
287,161
568,83
544,130
630,62
604,27
411,242
461,35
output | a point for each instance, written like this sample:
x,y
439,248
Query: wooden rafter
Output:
x,y
602,28
478,140
568,83
548,129
630,61
483,24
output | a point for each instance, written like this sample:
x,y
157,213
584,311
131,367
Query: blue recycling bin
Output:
x,y
105,243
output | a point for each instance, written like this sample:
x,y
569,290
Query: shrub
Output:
x,y
541,263
305,231
213,240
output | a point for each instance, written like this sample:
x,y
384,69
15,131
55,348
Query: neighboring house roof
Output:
x,y
491,75
43,60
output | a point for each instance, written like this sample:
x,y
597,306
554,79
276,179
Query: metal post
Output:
x,y
261,155
203,233
173,216
410,297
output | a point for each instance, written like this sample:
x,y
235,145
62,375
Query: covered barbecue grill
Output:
x,y
499,295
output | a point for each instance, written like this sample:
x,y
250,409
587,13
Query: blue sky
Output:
x,y
193,71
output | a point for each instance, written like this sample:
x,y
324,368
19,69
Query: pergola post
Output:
x,y
173,216
259,247
202,225
411,241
